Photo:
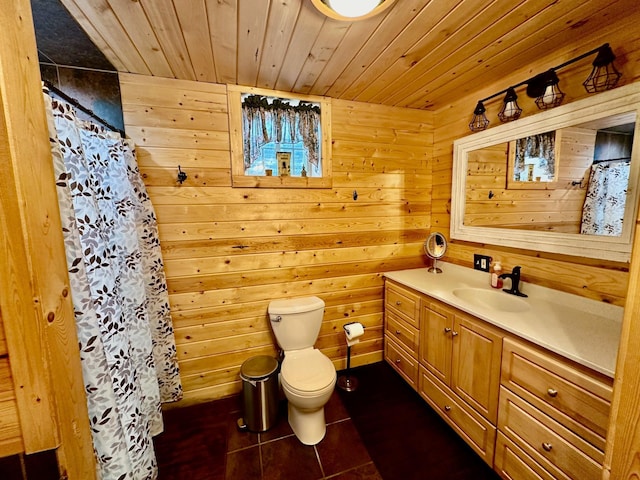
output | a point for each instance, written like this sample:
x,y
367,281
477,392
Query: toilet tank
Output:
x,y
296,321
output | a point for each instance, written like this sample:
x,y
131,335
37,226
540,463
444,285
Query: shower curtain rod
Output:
x,y
79,106
621,159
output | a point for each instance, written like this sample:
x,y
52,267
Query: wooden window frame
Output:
x,y
239,178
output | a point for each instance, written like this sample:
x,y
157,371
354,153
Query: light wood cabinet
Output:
x,y
475,375
473,428
403,302
553,412
464,354
528,413
402,331
460,372
555,448
405,365
436,336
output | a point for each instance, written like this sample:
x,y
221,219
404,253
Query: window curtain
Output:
x,y
603,209
542,145
119,291
279,121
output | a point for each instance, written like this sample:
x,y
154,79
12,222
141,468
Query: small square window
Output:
x,y
278,140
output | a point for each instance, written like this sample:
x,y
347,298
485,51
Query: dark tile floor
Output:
x,y
382,430
203,442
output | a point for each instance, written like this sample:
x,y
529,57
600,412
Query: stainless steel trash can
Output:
x,y
260,392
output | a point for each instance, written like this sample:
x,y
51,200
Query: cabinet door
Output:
x,y
475,375
435,340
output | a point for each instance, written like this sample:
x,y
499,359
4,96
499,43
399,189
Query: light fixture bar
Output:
x,y
562,65
604,76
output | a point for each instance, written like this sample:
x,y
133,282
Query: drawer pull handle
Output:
x,y
397,360
447,329
547,446
552,392
447,408
397,332
454,333
398,303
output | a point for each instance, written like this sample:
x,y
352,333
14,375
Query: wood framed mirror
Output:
x,y
488,207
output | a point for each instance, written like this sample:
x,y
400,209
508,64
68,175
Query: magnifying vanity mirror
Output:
x,y
562,181
435,246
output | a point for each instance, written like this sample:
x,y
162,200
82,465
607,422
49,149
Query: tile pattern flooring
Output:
x,y
382,430
203,442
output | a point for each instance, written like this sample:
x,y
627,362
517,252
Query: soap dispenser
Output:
x,y
496,281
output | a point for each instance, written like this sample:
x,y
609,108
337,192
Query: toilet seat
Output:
x,y
307,372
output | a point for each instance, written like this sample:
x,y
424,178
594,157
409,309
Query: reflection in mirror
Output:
x,y
534,158
592,161
578,198
435,247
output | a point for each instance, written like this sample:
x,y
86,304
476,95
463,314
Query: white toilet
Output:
x,y
308,377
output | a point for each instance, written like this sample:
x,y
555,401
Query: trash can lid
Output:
x,y
256,368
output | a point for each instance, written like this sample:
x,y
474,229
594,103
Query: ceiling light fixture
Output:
x,y
544,88
351,10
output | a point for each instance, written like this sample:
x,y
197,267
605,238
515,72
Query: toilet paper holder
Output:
x,y
352,330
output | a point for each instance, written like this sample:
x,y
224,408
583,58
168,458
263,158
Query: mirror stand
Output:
x,y
434,268
435,247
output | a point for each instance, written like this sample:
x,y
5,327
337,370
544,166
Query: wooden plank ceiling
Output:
x,y
418,53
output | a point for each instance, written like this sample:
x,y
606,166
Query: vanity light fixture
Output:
x,y
351,10
604,75
544,87
479,121
510,109
548,94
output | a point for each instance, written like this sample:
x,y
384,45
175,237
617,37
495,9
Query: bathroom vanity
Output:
x,y
526,382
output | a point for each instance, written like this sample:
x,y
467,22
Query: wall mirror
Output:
x,y
550,198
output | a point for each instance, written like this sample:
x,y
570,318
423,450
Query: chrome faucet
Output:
x,y
515,282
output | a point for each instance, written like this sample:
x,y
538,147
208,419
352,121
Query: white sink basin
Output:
x,y
492,299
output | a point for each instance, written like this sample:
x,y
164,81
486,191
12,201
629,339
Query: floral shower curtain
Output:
x,y
603,208
119,291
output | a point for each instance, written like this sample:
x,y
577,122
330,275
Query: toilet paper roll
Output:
x,y
353,331
351,343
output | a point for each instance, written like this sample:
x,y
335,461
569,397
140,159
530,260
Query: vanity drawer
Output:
x,y
512,463
579,401
471,426
403,302
558,450
404,334
401,361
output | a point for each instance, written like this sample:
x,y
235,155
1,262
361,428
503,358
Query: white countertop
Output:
x,y
583,330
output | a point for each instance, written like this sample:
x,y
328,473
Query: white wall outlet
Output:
x,y
481,262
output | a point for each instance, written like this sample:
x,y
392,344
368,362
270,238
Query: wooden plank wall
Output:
x,y
491,202
10,431
601,280
229,251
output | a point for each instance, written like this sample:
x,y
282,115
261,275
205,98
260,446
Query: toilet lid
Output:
x,y
307,370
